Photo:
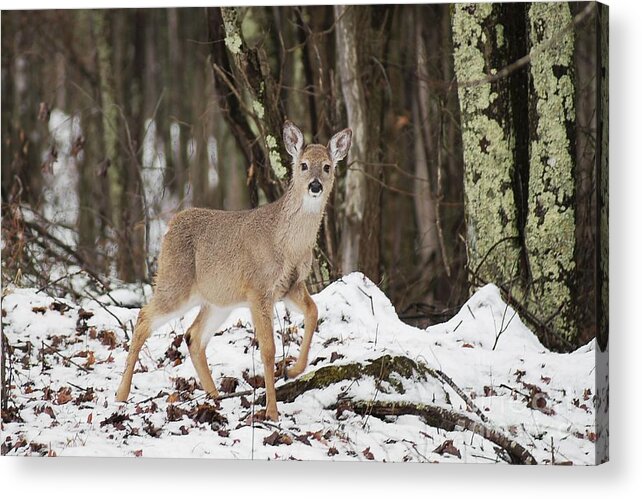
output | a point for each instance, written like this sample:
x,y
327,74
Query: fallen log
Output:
x,y
384,369
440,417
389,369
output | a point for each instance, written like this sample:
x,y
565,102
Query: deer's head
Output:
x,y
314,165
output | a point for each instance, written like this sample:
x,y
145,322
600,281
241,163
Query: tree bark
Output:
x,y
602,177
130,253
361,38
355,180
488,141
426,160
550,225
252,70
177,147
232,104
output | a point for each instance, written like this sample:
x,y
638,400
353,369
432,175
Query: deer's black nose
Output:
x,y
315,186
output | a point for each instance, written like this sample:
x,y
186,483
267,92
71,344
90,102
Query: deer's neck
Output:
x,y
299,221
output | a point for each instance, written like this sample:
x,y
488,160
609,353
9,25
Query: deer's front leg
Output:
x,y
263,325
302,300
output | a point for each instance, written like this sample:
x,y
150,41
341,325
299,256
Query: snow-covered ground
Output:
x,y
67,359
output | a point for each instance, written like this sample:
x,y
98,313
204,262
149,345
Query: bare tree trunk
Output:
x,y
22,138
453,287
425,202
317,58
602,178
361,38
602,230
93,187
130,252
355,181
109,112
176,168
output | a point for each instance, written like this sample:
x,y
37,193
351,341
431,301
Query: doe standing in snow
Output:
x,y
221,260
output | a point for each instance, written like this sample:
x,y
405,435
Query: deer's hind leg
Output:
x,y
142,331
157,312
198,336
301,299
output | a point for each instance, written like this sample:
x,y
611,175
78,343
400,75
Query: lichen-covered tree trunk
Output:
x,y
231,56
550,225
488,140
253,69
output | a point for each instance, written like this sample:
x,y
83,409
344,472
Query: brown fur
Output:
x,y
221,260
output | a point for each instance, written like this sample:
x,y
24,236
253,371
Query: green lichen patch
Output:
x,y
258,109
233,40
275,157
386,369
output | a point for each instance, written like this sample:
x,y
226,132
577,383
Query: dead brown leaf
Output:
x,y
108,338
85,396
335,356
277,438
45,409
63,396
229,384
447,447
208,413
256,381
116,420
175,413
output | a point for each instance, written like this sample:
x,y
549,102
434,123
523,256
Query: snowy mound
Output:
x,y
67,359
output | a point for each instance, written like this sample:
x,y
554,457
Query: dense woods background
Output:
x,y
479,155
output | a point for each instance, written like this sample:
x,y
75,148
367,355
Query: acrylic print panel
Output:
x,y
338,233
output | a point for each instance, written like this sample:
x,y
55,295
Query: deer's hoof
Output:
x,y
213,394
121,397
272,415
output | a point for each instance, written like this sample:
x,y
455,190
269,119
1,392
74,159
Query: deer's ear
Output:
x,y
293,139
339,145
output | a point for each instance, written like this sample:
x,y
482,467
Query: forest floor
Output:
x,y
65,360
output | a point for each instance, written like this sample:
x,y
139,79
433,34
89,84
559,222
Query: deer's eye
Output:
x,y
304,166
326,168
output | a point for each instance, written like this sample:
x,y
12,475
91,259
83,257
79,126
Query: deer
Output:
x,y
221,260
